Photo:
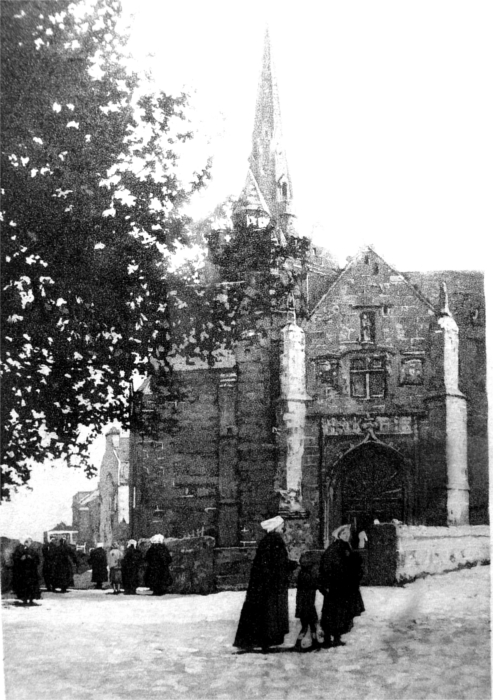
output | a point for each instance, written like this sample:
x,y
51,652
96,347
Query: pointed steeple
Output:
x,y
269,174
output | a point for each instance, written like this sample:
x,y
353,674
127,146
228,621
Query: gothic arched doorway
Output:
x,y
369,483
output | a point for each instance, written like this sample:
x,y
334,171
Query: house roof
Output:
x,y
61,527
84,497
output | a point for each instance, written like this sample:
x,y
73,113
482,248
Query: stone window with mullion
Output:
x,y
367,377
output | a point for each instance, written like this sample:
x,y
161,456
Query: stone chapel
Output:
x,y
373,407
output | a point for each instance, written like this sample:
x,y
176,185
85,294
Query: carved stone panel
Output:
x,y
411,372
367,425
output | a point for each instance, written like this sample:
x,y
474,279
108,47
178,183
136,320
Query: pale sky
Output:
x,y
387,117
48,500
386,110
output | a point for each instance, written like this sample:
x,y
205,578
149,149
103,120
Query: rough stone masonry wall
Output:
x,y
399,553
467,304
232,567
175,471
310,486
257,457
192,565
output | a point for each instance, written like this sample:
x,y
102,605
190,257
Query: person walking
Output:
x,y
99,565
340,574
49,555
131,563
25,578
63,566
306,592
264,619
158,560
115,557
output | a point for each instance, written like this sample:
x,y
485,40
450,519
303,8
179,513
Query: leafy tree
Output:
x,y
93,188
91,211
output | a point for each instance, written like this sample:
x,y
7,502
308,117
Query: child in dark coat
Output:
x,y
305,603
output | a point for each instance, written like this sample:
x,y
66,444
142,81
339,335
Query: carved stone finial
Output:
x,y
444,307
290,502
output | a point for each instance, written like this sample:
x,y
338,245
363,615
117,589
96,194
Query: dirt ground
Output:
x,y
429,639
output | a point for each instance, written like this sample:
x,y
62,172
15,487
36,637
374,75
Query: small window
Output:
x,y
375,269
284,190
368,377
367,259
385,310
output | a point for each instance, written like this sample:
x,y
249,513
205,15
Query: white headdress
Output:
x,y
131,542
272,524
99,544
337,532
157,539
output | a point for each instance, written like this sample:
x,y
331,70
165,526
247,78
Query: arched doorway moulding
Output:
x,y
337,450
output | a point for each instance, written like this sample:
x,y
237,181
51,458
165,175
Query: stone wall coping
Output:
x,y
427,532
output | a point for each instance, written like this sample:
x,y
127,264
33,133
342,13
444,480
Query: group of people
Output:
x,y
59,562
264,619
125,568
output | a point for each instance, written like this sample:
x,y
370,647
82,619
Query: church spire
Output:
x,y
268,179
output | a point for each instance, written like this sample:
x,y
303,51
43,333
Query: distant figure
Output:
x,y
63,566
115,563
25,579
99,565
49,555
362,539
158,560
264,617
131,563
340,574
307,586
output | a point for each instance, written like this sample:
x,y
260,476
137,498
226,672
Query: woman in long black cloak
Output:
x,y
130,568
49,556
158,560
25,578
264,618
98,561
63,566
340,574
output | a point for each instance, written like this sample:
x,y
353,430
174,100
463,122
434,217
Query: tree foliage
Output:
x,y
94,182
91,210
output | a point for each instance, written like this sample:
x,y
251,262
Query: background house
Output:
x,y
102,515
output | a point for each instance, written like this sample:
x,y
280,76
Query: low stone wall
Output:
x,y
395,554
192,567
400,553
232,567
